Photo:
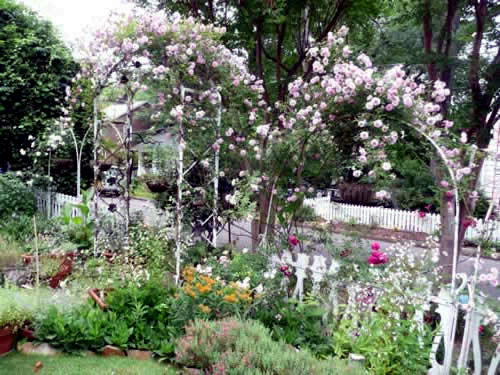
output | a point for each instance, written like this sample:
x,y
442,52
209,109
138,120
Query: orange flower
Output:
x,y
207,280
203,288
204,308
189,291
231,298
245,296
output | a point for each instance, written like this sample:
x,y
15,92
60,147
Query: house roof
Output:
x,y
164,138
115,111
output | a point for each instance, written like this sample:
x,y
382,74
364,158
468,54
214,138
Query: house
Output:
x,y
147,144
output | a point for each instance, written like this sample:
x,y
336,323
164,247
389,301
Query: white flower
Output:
x,y
386,166
356,173
259,289
245,284
244,251
262,130
22,152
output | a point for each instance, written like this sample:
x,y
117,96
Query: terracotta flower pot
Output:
x,y
27,332
6,340
95,294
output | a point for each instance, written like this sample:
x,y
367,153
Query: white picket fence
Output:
x,y
51,204
391,218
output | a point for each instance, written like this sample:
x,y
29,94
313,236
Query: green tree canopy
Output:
x,y
35,68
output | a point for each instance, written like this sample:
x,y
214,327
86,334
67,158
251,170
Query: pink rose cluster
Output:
x,y
377,257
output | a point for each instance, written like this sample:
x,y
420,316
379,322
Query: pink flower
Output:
x,y
377,257
375,246
468,222
422,214
293,240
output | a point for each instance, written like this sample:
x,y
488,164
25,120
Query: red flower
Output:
x,y
481,329
293,240
422,214
449,195
375,246
284,268
377,257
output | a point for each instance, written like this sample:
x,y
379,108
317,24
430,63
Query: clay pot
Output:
x,y
6,340
27,332
96,294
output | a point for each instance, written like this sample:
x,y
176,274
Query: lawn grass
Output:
x,y
20,364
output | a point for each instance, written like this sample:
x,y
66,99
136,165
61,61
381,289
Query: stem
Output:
x,y
37,262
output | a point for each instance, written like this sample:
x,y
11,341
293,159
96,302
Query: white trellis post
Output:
x,y
180,176
216,167
96,168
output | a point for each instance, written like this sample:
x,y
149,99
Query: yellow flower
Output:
x,y
231,298
204,308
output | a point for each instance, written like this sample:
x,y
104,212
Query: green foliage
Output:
x,y
482,206
245,347
300,324
137,317
10,252
16,198
154,248
305,213
78,229
390,346
12,315
34,69
241,266
415,187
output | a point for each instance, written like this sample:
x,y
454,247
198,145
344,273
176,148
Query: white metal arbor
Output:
x,y
181,179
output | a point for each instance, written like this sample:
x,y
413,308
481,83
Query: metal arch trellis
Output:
x,y
181,173
121,208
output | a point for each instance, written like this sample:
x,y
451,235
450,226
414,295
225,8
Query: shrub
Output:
x,y
390,346
205,297
154,247
299,324
136,317
16,198
232,346
241,266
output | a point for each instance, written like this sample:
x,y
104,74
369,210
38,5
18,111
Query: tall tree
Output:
x,y
275,35
457,42
35,68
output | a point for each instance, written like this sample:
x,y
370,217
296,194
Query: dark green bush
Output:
x,y
16,199
299,324
232,346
